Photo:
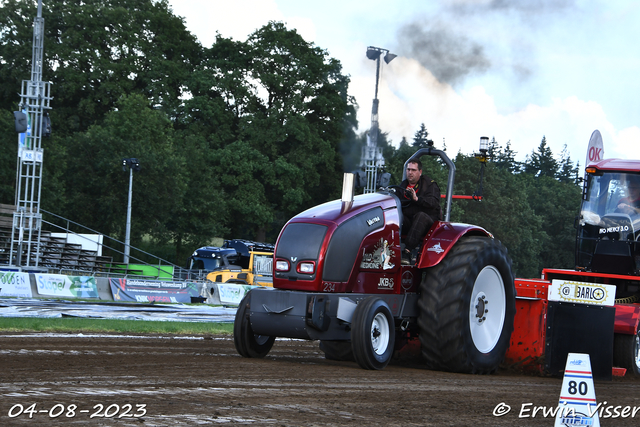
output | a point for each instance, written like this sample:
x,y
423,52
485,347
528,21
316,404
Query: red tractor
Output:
x,y
338,278
594,309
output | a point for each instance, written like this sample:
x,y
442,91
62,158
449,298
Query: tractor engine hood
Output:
x,y
322,244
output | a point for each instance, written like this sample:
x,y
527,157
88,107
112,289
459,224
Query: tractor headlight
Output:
x,y
282,265
306,267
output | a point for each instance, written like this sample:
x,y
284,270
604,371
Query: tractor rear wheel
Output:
x,y
626,352
247,343
467,307
372,333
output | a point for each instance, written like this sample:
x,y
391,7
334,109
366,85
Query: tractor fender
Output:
x,y
441,238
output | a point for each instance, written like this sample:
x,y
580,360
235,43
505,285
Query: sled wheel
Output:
x,y
337,350
626,352
467,307
247,343
372,333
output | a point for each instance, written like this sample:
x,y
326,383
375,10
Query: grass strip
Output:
x,y
70,325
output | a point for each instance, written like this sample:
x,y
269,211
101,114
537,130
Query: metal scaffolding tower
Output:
x,y
35,98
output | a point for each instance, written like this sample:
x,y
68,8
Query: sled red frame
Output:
x,y
527,347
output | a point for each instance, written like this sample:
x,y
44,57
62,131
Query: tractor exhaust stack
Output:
x,y
348,189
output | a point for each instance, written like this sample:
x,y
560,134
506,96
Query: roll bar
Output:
x,y
430,151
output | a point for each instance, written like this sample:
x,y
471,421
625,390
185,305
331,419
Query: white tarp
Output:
x,y
19,307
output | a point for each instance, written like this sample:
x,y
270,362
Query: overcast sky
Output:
x,y
516,70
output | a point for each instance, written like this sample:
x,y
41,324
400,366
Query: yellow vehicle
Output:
x,y
236,261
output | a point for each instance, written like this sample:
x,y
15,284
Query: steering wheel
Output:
x,y
399,192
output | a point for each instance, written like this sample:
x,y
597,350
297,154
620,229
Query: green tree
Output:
x,y
133,46
16,35
233,139
542,162
290,113
431,165
420,139
567,172
202,213
557,203
95,52
504,211
97,189
394,160
503,158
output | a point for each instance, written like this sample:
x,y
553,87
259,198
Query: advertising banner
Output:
x,y
58,285
583,293
14,284
232,293
149,290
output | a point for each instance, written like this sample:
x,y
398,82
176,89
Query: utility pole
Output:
x,y
35,99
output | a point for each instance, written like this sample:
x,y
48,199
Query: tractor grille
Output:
x,y
300,242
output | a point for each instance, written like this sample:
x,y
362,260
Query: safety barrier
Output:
x,y
15,283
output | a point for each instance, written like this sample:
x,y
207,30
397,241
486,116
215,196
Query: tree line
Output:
x,y
232,139
529,205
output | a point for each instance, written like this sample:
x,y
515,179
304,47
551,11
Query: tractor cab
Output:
x,y
609,221
210,258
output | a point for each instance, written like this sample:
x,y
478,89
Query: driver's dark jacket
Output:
x,y
428,201
628,201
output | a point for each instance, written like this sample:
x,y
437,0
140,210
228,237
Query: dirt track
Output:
x,y
203,381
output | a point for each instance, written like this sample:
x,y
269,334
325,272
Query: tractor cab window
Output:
x,y
604,194
197,264
609,226
207,264
239,261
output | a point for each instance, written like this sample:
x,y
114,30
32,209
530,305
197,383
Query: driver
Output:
x,y
423,197
631,203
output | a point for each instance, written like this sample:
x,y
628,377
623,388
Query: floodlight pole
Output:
x,y
371,150
373,133
127,239
131,164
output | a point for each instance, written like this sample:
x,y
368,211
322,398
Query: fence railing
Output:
x,y
158,269
68,247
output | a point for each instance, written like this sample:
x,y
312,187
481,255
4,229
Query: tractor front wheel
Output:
x,y
247,343
467,307
372,333
626,352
